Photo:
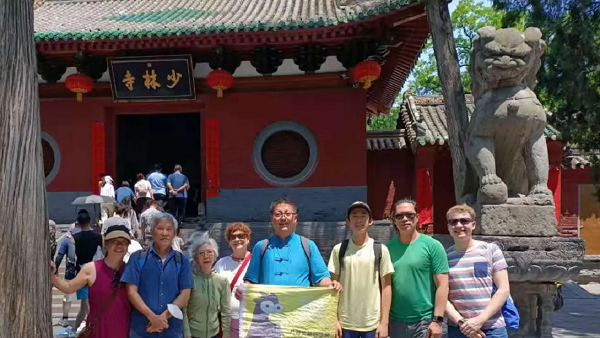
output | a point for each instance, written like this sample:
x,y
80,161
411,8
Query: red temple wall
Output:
x,y
390,177
69,123
336,118
571,179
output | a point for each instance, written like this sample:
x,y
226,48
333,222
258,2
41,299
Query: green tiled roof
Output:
x,y
113,19
424,118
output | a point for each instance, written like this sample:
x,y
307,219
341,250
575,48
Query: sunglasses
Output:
x,y
409,216
116,281
463,221
238,236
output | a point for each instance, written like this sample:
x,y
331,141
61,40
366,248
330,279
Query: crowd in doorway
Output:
x,y
161,291
170,192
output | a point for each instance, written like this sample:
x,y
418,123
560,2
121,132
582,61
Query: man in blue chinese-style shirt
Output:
x,y
156,277
178,184
287,258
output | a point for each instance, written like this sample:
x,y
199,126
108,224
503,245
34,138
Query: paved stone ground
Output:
x,y
580,316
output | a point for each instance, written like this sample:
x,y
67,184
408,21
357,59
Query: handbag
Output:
x,y
87,331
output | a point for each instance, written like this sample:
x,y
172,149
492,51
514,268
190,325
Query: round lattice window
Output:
x,y
285,153
51,155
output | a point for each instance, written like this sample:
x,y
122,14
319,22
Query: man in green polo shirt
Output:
x,y
420,281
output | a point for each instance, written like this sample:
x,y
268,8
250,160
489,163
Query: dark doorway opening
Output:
x,y
169,139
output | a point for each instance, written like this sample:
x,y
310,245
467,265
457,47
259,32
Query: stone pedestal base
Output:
x,y
534,301
516,220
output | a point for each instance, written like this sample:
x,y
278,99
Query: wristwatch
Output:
x,y
460,322
438,319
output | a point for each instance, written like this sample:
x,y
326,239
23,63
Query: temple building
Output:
x,y
255,99
415,161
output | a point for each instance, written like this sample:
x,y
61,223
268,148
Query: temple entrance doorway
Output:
x,y
169,139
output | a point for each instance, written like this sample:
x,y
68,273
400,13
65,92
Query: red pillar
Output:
x,y
213,165
98,155
425,161
555,174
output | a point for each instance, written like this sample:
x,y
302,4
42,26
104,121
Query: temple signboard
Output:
x,y
152,78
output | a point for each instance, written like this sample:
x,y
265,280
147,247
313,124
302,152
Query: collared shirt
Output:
x,y
159,285
158,181
285,263
177,180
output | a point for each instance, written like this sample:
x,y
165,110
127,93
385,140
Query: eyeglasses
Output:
x,y
237,236
279,215
206,253
116,279
409,216
464,221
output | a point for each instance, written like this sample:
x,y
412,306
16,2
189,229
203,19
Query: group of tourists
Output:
x,y
404,288
168,191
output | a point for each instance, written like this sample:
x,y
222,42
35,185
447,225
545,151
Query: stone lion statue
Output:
x,y
505,144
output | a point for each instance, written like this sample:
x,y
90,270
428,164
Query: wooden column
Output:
x,y
98,155
555,175
424,162
213,165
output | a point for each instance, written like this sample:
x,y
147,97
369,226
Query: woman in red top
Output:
x,y
109,306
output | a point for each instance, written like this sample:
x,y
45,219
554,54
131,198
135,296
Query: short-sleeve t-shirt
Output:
x,y
413,287
360,303
158,181
143,187
177,180
86,245
471,280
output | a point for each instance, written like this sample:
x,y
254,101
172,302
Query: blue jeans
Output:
x,y
499,332
357,334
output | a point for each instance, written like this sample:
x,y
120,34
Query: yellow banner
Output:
x,y
270,311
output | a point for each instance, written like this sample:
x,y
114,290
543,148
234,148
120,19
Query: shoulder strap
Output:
x,y
178,261
109,301
306,248
342,253
240,270
263,248
377,252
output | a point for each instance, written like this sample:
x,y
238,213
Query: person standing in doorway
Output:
x,y
420,281
124,192
178,184
143,192
158,182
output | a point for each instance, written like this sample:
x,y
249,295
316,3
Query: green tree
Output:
x,y
467,18
569,80
384,122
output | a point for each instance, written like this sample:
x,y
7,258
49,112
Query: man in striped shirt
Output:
x,y
473,309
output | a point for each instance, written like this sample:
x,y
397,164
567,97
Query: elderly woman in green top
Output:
x,y
210,296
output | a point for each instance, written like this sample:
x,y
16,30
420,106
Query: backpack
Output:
x,y
376,251
144,254
509,310
305,247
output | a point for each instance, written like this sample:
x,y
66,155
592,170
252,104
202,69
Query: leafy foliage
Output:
x,y
384,122
569,80
467,18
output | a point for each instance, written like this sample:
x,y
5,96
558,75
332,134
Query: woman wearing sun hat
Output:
x,y
109,306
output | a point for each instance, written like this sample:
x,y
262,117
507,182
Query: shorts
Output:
x,y
499,332
71,297
358,334
83,293
409,330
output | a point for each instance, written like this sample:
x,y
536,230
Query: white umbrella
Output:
x,y
93,199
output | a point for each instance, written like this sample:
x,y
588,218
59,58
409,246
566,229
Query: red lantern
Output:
x,y
219,80
80,84
367,72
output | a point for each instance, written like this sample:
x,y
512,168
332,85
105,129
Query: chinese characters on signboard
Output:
x,y
152,78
